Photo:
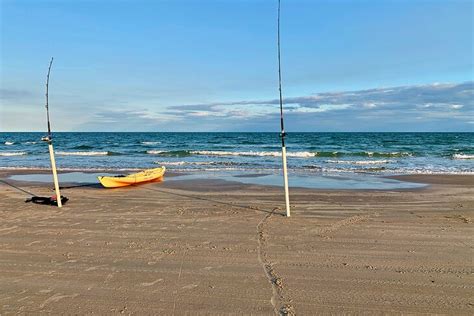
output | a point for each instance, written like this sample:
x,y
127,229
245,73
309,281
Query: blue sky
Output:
x,y
211,65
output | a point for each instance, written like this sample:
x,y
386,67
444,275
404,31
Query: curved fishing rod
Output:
x,y
283,134
279,82
47,100
49,139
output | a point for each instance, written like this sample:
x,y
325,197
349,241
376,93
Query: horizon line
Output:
x,y
240,132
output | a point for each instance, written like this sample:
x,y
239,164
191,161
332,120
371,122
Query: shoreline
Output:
x,y
427,179
456,179
254,171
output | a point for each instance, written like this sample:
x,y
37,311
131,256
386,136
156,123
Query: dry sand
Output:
x,y
209,247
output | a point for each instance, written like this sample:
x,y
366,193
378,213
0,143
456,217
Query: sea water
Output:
x,y
308,153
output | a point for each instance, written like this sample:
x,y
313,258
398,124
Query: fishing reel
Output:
x,y
46,138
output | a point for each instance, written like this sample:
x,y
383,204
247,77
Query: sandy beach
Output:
x,y
218,247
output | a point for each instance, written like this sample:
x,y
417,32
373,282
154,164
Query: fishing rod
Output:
x,y
49,139
47,100
282,134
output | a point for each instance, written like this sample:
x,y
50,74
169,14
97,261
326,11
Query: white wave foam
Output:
x,y
30,143
429,171
171,163
154,152
397,171
217,169
387,172
182,163
391,154
463,156
15,153
299,154
26,168
150,143
83,169
361,162
338,170
192,163
82,153
9,143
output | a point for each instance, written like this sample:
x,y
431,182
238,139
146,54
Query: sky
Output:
x,y
211,65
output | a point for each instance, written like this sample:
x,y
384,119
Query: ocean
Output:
x,y
319,153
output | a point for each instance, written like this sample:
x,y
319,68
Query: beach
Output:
x,y
205,246
149,167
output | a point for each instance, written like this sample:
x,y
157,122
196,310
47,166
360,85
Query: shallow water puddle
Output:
x,y
342,182
313,181
74,177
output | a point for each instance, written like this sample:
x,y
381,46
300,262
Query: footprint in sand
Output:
x,y
56,297
33,242
190,286
22,299
45,291
95,267
8,230
151,283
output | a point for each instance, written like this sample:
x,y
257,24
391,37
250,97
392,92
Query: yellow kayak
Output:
x,y
148,175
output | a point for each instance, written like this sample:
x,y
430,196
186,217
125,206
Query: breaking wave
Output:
x,y
369,154
200,163
463,156
87,153
16,153
171,153
154,152
295,154
150,143
299,154
361,162
9,143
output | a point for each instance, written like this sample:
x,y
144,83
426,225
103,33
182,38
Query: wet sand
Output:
x,y
215,247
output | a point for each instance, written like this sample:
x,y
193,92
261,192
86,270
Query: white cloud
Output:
x,y
369,105
205,113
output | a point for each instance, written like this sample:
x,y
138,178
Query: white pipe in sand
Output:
x,y
55,175
285,180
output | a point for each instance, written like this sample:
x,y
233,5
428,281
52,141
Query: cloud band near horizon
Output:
x,y
429,107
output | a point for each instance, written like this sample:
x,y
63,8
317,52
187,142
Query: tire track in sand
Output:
x,y
280,303
326,232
